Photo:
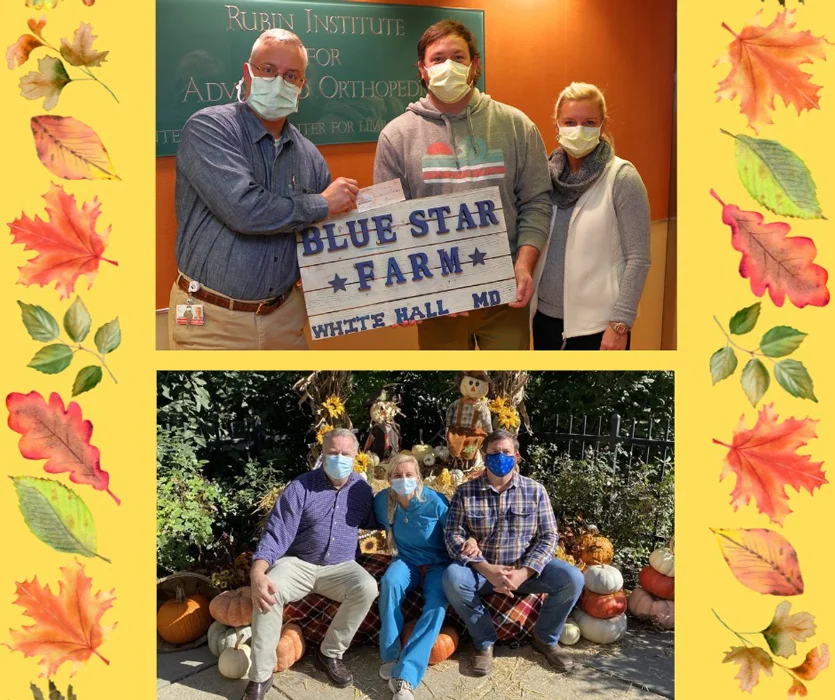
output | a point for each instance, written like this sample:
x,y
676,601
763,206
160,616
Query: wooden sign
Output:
x,y
410,261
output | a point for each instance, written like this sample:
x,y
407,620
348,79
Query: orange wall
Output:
x,y
533,49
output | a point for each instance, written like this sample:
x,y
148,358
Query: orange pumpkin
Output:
x,y
602,607
444,646
290,647
596,549
657,584
183,619
233,608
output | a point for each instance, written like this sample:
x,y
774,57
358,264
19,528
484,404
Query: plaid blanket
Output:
x,y
514,617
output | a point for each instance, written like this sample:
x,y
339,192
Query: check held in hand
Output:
x,y
405,262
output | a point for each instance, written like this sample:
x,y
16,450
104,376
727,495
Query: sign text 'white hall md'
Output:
x,y
411,261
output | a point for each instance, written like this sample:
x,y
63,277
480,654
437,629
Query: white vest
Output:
x,y
594,260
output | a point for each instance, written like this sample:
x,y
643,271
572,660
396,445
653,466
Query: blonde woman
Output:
x,y
591,278
414,517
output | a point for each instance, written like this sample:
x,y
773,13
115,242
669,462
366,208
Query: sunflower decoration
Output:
x,y
320,434
372,542
498,404
362,462
333,406
508,418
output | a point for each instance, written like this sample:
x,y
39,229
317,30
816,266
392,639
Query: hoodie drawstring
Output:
x,y
451,136
470,127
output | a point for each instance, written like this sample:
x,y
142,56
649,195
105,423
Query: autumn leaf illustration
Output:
x,y
774,261
67,243
752,661
762,560
49,4
50,78
67,624
786,629
70,149
765,461
80,51
58,435
765,64
54,693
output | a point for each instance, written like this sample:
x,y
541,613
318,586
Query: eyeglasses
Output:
x,y
269,73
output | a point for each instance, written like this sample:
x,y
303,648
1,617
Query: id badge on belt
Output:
x,y
190,314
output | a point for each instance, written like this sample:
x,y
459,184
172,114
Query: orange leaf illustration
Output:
x,y
67,243
762,560
774,261
70,149
59,436
67,625
765,461
18,53
815,661
765,64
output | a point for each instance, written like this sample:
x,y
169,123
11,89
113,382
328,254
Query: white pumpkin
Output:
x,y
600,631
374,458
222,637
570,634
603,579
441,453
429,459
457,476
663,561
234,662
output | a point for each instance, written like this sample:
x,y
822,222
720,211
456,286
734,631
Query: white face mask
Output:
x,y
448,80
579,140
271,99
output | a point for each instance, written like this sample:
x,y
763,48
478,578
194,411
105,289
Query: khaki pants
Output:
x,y
283,329
347,583
496,328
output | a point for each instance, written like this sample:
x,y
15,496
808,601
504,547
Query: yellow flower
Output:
x,y
498,404
509,418
444,478
362,462
320,434
334,406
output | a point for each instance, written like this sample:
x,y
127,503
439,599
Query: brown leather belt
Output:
x,y
262,308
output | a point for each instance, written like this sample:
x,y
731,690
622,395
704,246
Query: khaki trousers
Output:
x,y
283,329
347,583
495,328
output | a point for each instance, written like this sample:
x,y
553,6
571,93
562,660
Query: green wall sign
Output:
x,y
362,70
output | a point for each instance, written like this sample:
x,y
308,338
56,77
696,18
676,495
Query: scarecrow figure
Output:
x,y
384,433
468,419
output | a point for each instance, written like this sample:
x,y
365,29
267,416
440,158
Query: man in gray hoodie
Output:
x,y
457,139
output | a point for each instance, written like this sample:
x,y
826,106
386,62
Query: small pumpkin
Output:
x,y
663,561
603,579
570,634
657,584
374,459
222,637
444,646
428,460
420,451
596,549
640,603
290,647
600,631
234,662
233,608
457,476
183,619
602,606
441,453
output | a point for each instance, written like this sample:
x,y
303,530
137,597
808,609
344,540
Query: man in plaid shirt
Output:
x,y
511,518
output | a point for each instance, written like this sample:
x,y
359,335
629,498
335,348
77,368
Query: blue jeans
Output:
x,y
563,583
399,579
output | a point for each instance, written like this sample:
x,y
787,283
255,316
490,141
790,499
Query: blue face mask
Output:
x,y
500,464
404,487
338,466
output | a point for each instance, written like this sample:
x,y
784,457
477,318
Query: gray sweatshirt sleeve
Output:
x,y
387,165
632,212
533,192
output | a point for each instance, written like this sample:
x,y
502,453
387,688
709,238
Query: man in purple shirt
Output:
x,y
309,545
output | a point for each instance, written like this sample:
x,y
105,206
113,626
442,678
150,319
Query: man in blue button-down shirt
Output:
x,y
310,545
247,180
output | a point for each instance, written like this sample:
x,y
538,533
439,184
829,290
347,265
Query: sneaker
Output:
x,y
483,661
558,657
387,669
402,689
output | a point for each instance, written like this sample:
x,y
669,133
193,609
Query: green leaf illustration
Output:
x,y
54,693
86,379
57,516
755,380
744,320
39,323
793,377
776,177
77,321
52,359
781,341
722,364
108,337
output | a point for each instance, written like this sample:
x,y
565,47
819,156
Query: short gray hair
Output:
x,y
328,437
280,36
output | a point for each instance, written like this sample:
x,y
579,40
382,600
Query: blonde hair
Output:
x,y
580,92
395,462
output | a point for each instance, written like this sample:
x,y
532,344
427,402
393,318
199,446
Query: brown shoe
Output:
x,y
558,657
483,661
257,691
337,671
